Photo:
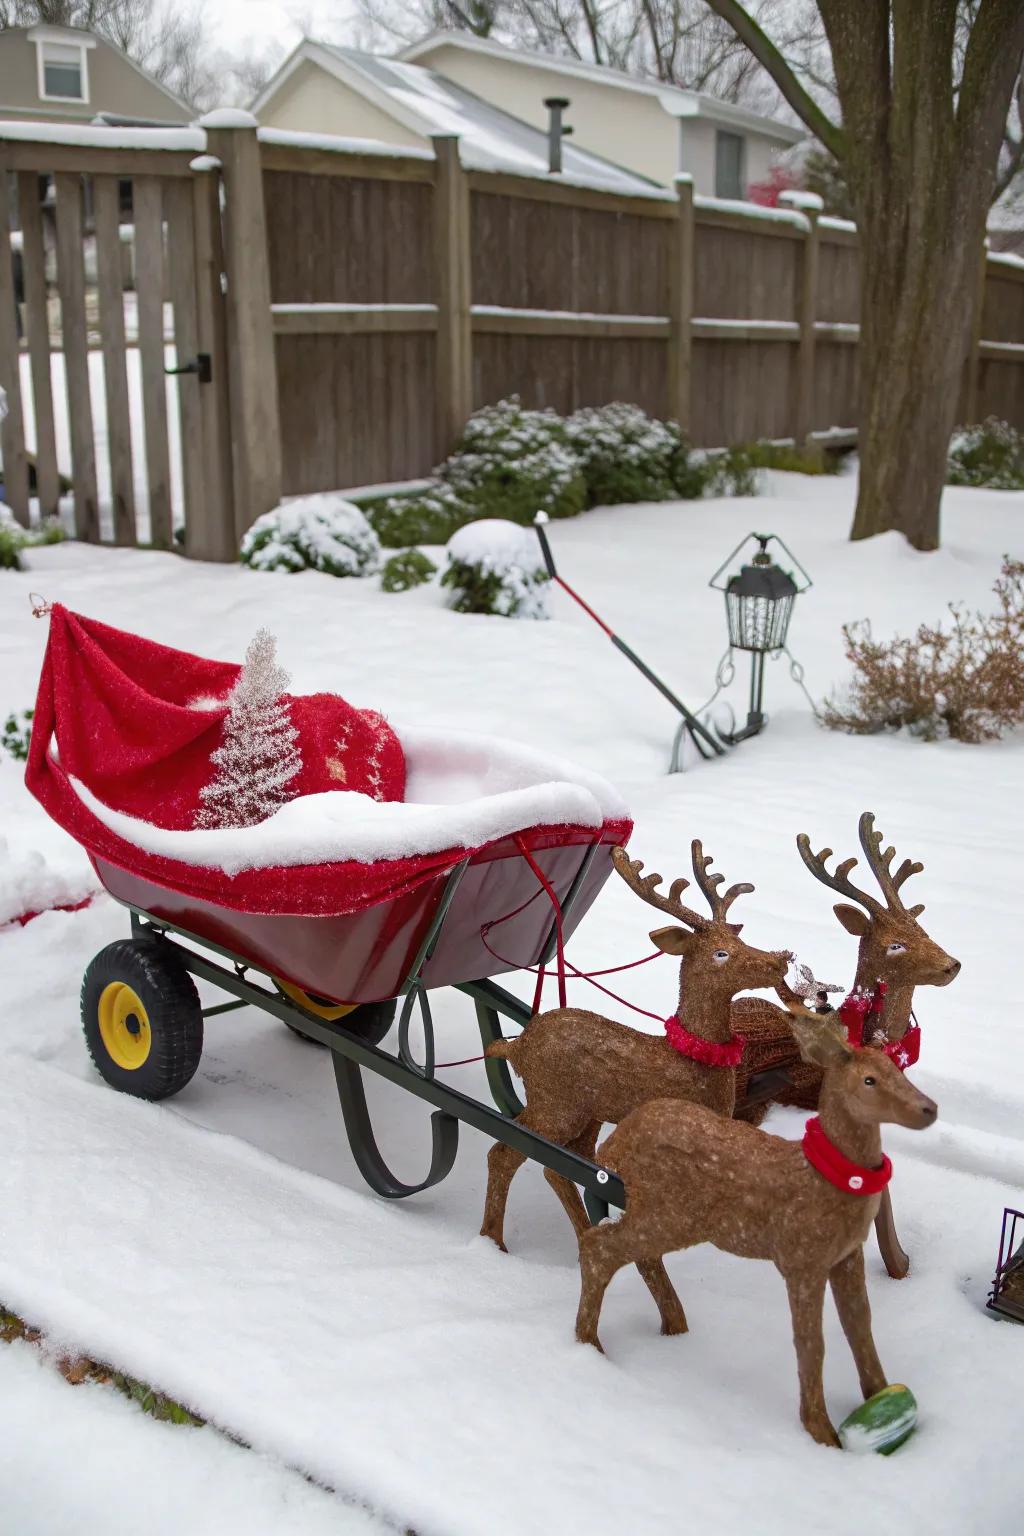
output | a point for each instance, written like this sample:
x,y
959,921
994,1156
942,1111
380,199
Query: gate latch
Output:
x,y
202,365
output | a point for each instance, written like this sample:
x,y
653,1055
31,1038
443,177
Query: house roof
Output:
x,y
427,103
41,32
676,101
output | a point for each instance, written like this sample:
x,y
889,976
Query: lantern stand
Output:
x,y
759,601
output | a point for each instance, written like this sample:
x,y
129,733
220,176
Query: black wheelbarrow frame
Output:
x,y
351,1055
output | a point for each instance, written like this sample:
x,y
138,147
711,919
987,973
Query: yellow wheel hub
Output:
x,y
318,1005
124,1026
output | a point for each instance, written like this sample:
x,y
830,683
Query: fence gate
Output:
x,y
112,339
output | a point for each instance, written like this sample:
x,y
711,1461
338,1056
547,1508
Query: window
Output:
x,y
62,71
62,61
729,177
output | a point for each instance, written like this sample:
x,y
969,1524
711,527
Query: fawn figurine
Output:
x,y
581,1070
694,1177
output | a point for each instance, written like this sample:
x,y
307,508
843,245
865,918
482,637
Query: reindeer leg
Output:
x,y
897,1262
585,1145
806,1301
604,1250
655,1277
851,1297
503,1163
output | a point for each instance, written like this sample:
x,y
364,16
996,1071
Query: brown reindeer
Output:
x,y
581,1070
894,948
693,1177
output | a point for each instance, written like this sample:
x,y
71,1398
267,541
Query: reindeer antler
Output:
x,y
839,880
719,903
645,887
880,864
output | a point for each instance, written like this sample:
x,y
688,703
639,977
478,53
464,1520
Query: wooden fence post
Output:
x,y
13,430
37,331
454,381
255,411
680,308
810,205
972,367
213,536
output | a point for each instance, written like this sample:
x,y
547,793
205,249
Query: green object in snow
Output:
x,y
881,1424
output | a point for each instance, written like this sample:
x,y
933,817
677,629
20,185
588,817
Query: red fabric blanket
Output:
x,y
119,714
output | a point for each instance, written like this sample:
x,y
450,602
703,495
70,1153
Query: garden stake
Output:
x,y
702,738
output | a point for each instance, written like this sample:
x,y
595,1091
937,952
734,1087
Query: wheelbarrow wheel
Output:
x,y
142,1019
370,1021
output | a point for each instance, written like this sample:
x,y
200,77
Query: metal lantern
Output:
x,y
759,601
1007,1294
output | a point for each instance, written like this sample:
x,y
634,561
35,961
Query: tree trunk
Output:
x,y
916,321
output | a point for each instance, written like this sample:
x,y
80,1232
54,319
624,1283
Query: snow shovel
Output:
x,y
707,744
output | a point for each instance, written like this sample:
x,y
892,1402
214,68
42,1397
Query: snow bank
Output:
x,y
32,883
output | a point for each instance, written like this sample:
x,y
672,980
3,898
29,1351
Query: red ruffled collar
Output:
x,y
835,1166
708,1052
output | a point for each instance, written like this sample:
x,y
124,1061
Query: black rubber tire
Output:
x,y
168,994
370,1021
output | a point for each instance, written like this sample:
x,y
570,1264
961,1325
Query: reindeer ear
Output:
x,y
672,941
735,927
853,920
821,1043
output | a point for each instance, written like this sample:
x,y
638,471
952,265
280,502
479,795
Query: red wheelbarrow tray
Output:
x,y
348,929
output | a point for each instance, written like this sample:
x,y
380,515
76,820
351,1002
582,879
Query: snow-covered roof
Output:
x,y
676,101
427,103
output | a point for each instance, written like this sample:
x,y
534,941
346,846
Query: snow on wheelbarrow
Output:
x,y
350,899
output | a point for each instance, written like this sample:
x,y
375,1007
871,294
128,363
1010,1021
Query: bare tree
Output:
x,y
924,110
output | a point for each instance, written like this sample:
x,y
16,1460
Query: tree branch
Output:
x,y
770,59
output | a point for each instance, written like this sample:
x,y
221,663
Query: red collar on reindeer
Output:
x,y
850,1177
710,1053
860,1015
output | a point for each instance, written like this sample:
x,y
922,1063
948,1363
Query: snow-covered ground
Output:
x,y
223,1246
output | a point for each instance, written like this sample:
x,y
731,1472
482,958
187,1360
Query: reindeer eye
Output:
x,y
720,956
869,1082
896,949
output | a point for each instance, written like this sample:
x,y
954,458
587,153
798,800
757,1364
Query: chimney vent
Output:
x,y
557,130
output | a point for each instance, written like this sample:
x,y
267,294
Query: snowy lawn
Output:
x,y
222,1245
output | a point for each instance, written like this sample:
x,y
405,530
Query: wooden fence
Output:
x,y
354,307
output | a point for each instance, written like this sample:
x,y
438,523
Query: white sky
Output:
x,y
240,23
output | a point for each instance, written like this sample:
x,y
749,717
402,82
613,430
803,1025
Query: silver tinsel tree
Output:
x,y
258,757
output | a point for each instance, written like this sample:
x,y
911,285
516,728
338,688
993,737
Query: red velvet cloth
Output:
x,y
118,706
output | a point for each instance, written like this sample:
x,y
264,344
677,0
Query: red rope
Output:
x,y
559,935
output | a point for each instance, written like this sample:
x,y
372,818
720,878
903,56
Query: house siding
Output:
x,y
312,101
115,85
629,128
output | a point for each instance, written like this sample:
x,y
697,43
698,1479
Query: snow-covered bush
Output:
x,y
320,533
990,454
14,538
512,463
14,737
411,568
494,566
626,456
429,517
964,680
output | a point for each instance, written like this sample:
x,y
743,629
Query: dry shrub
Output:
x,y
963,680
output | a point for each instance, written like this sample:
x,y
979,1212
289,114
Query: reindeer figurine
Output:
x,y
694,1177
894,950
581,1070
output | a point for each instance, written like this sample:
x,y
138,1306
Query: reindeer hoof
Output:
x,y
822,1431
673,1325
497,1241
590,1338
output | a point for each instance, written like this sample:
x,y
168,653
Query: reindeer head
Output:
x,y
894,948
868,1087
715,958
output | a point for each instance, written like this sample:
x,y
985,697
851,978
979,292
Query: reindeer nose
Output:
x,y
929,1111
952,968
